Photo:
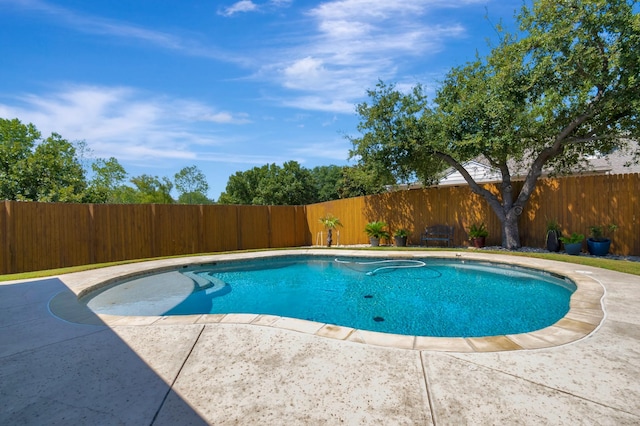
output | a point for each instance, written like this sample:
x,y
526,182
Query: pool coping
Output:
x,y
586,310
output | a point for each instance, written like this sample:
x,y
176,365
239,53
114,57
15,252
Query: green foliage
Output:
x,y
242,186
32,169
50,170
192,185
151,189
478,230
290,185
363,180
601,232
401,233
108,178
330,221
572,239
564,88
16,143
194,198
376,229
392,147
553,225
327,181
54,172
271,184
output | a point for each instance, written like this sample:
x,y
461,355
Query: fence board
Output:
x,y
46,236
283,229
219,228
253,227
176,229
4,240
122,231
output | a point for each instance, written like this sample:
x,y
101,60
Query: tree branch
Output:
x,y
473,185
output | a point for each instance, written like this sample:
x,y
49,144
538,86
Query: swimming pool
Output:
x,y
422,297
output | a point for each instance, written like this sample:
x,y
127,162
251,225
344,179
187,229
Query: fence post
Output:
x,y
93,238
239,228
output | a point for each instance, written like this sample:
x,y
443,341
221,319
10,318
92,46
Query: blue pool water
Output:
x,y
422,297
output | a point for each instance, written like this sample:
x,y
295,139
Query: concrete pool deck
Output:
x,y
267,370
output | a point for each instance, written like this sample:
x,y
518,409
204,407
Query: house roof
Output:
x,y
613,163
478,171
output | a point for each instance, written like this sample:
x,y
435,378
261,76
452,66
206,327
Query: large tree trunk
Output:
x,y
508,221
510,205
510,231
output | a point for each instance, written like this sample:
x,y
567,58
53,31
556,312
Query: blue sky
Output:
x,y
224,85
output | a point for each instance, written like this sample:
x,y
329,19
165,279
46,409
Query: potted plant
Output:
x,y
572,243
330,222
553,235
599,243
400,237
478,234
375,231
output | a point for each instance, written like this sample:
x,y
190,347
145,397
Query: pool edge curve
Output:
x,y
585,315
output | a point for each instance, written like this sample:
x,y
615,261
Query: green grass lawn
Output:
x,y
625,266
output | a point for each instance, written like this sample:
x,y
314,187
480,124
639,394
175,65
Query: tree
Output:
x,y
327,181
567,89
330,222
32,169
152,190
270,184
108,179
16,143
192,185
194,198
53,173
242,187
361,180
289,185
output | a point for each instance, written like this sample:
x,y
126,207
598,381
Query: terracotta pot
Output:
x,y
479,242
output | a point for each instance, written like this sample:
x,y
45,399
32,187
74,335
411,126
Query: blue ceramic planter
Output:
x,y
573,248
598,248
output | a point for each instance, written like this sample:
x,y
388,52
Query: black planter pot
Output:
x,y
375,242
553,243
598,248
400,241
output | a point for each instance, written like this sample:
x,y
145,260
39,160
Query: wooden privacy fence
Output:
x,y
36,236
575,202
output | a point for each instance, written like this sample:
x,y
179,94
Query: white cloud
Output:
x,y
320,103
122,122
241,6
343,48
305,73
90,24
244,6
351,45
